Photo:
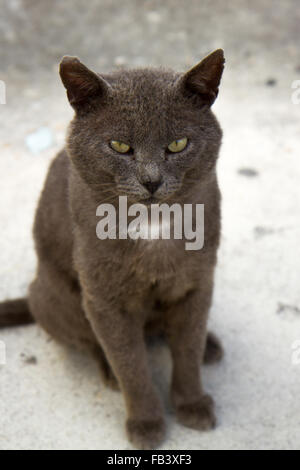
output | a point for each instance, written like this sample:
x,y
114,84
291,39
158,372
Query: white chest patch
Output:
x,y
150,231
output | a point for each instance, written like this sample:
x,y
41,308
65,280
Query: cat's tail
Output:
x,y
15,313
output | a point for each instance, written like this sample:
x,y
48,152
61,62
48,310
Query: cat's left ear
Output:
x,y
203,80
81,83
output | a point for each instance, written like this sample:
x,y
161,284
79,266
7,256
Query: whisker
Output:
x,y
108,199
108,191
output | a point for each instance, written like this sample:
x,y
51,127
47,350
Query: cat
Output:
x,y
107,296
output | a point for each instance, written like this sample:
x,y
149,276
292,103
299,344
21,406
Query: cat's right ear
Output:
x,y
202,81
81,83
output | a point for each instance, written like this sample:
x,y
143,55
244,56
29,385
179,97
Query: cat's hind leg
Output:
x,y
56,306
106,371
214,351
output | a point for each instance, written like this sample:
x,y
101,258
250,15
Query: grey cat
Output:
x,y
150,135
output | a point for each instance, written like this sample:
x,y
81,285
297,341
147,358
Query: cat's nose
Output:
x,y
152,186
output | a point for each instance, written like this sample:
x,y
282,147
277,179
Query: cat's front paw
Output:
x,y
199,415
146,434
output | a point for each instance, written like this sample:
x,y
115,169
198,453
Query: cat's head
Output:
x,y
147,133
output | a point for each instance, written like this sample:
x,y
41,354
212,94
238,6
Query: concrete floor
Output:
x,y
51,397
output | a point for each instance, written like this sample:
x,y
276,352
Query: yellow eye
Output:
x,y
120,146
178,145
